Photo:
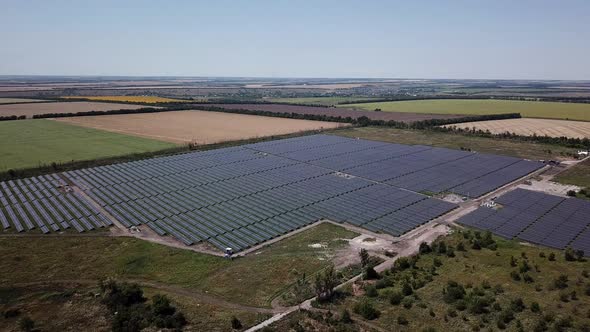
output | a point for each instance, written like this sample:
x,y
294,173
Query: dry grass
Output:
x,y
131,99
530,127
31,109
19,100
198,126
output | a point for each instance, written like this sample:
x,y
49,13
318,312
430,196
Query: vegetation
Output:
x,y
474,289
271,272
33,143
530,109
320,101
578,175
520,149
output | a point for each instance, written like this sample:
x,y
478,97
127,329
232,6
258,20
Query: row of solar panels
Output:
x,y
538,218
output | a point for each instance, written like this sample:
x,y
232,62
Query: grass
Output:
x,y
473,269
530,109
252,280
324,101
579,175
527,150
32,143
130,99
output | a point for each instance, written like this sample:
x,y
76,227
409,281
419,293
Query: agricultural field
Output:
x,y
578,175
31,109
530,127
32,143
200,127
130,99
526,150
528,109
324,101
19,100
333,112
460,286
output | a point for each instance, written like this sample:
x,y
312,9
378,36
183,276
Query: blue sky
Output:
x,y
523,39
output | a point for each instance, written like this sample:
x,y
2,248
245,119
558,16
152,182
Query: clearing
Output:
x,y
528,109
31,109
530,127
131,99
201,127
527,150
32,143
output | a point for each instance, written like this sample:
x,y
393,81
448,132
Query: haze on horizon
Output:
x,y
422,39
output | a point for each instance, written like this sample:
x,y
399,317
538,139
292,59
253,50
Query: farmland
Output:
x,y
325,101
529,109
333,112
19,100
130,99
197,126
527,150
31,109
530,127
31,143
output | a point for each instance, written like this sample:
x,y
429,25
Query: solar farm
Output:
x,y
242,196
538,218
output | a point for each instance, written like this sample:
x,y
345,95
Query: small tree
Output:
x,y
570,255
366,309
235,323
324,284
364,255
561,282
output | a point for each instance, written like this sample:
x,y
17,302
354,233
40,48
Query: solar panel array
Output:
x,y
242,196
538,218
38,203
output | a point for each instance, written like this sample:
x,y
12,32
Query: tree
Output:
x,y
364,255
324,284
407,289
396,298
370,273
424,248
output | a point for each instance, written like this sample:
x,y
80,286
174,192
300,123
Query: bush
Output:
x,y
384,283
453,292
407,289
370,273
235,323
345,317
527,278
371,291
424,248
535,307
570,255
571,193
401,320
366,310
407,302
561,282
26,324
515,276
396,298
517,305
551,257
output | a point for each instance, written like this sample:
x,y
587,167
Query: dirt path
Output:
x,y
200,296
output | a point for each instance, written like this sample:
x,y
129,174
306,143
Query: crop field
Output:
x,y
131,99
528,150
198,126
530,127
325,101
333,111
31,143
31,109
528,109
19,100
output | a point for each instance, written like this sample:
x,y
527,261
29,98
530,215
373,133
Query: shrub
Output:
x,y
345,317
407,289
370,273
461,246
401,320
527,278
26,324
561,282
396,298
515,276
571,193
371,291
384,283
364,255
551,257
424,248
453,292
235,323
476,245
512,261
366,310
407,302
570,255
517,305
535,307
436,262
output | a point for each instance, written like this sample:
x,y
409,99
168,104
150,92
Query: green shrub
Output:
x,y
371,291
401,320
366,310
396,298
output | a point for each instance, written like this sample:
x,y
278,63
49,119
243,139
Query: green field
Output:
x,y
579,175
325,101
527,150
252,280
31,143
490,289
529,109
19,100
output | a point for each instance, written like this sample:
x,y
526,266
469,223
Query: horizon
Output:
x,y
267,39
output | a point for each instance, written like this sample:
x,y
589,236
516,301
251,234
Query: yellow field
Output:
x,y
130,99
529,127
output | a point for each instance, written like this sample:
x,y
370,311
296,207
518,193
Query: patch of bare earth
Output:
x,y
200,127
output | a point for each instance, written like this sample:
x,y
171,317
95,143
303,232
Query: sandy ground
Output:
x,y
67,107
528,127
200,127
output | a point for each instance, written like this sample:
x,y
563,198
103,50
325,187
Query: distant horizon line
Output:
x,y
289,77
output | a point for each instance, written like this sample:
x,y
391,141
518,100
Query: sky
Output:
x,y
487,39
